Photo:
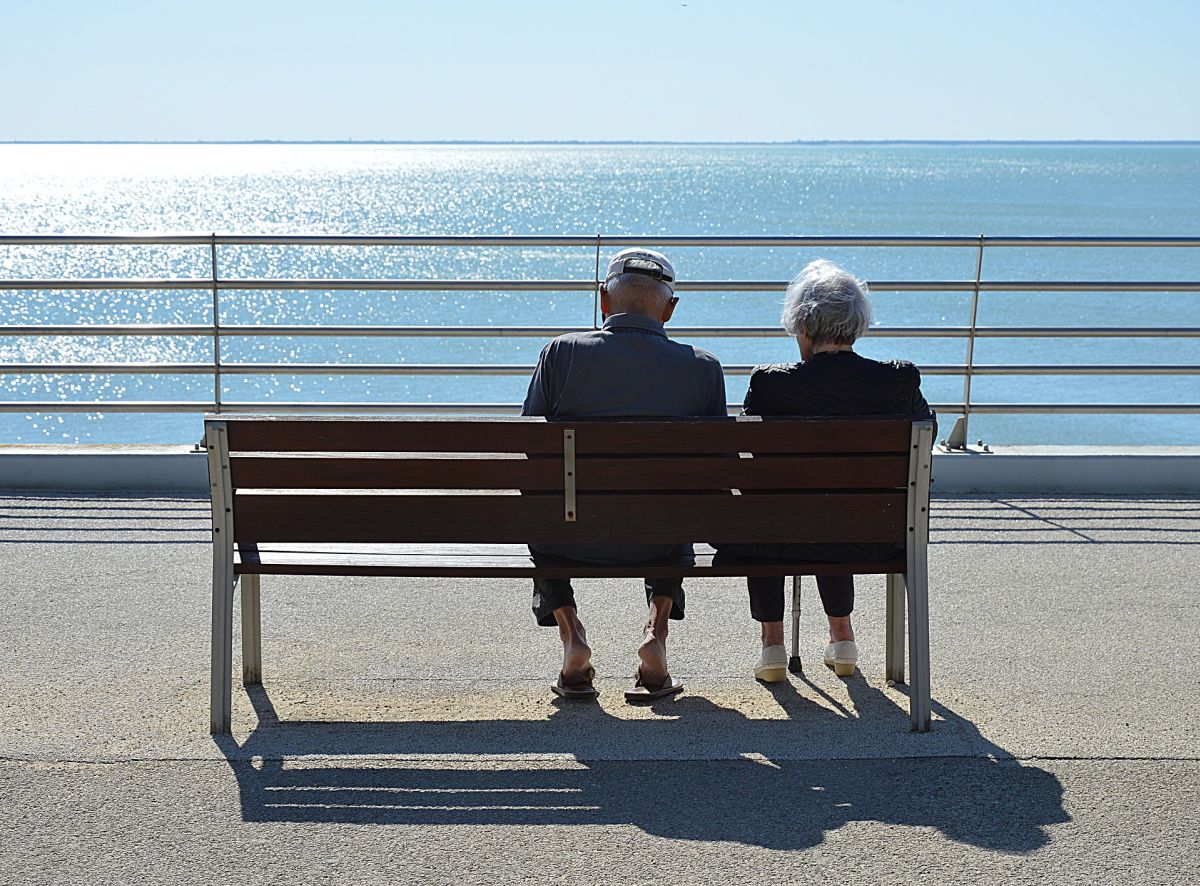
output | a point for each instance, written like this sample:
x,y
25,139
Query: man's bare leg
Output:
x,y
577,655
653,651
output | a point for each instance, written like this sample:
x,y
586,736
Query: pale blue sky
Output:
x,y
618,69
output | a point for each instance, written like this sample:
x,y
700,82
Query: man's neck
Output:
x,y
639,314
636,313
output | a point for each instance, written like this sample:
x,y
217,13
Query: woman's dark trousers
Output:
x,y
766,596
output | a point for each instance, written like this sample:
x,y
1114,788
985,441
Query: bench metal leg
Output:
x,y
894,644
220,704
916,576
221,676
251,631
794,664
918,645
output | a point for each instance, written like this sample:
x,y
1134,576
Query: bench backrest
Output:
x,y
403,479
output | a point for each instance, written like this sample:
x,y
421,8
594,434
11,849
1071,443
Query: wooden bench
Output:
x,y
432,497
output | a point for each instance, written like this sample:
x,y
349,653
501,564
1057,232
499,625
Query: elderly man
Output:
x,y
628,367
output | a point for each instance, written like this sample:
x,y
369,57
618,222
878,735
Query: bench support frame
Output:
x,y
895,628
916,579
221,675
251,630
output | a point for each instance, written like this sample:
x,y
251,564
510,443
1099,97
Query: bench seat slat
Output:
x,y
592,474
647,437
508,561
613,518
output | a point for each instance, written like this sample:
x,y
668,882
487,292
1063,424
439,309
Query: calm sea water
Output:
x,y
648,190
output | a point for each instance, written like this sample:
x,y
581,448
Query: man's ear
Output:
x,y
604,300
669,309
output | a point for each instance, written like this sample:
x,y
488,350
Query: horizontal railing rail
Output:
x,y
218,285
565,240
352,408
547,332
521,369
308,284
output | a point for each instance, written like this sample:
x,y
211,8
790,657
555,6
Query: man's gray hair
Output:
x,y
638,289
828,303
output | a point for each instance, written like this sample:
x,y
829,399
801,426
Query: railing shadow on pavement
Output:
x,y
99,519
530,773
1081,520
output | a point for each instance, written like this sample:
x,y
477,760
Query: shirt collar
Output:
x,y
635,321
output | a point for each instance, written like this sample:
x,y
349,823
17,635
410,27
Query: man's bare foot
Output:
x,y
653,651
653,657
577,658
577,654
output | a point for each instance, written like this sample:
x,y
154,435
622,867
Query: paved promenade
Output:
x,y
405,732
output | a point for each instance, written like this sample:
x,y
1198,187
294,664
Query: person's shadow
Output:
x,y
649,775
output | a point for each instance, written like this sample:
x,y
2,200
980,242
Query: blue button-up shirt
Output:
x,y
626,368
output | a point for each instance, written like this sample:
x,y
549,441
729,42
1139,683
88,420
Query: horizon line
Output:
x,y
374,141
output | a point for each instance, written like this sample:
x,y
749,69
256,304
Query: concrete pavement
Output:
x,y
405,732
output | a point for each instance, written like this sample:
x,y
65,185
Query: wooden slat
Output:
x,y
762,472
267,472
394,434
409,550
534,435
593,474
512,561
764,436
605,519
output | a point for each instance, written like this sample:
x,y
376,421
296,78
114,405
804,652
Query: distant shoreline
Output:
x,y
608,143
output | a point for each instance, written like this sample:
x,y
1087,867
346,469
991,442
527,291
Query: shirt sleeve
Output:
x,y
750,404
716,393
920,406
539,399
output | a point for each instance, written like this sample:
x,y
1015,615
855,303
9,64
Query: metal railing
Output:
x,y
216,330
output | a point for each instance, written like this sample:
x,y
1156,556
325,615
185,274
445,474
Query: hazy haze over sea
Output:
x,y
825,189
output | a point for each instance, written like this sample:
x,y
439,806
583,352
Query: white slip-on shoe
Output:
x,y
772,664
841,656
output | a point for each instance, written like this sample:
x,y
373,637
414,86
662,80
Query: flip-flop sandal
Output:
x,y
579,688
642,692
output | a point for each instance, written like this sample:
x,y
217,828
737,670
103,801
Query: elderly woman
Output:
x,y
826,309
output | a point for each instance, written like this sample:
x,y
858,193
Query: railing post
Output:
x,y
596,288
957,438
216,325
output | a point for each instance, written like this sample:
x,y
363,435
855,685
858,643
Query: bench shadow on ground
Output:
x,y
667,779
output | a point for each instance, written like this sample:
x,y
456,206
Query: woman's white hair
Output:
x,y
828,303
